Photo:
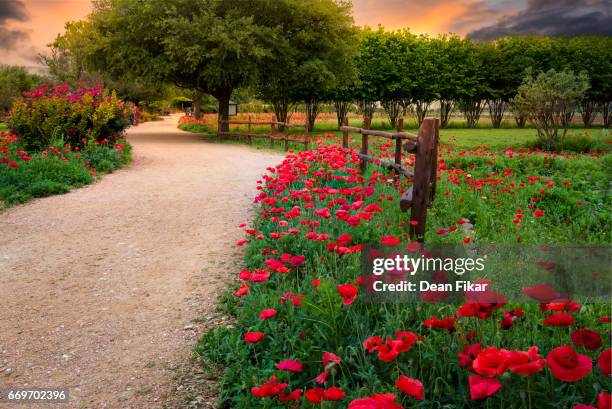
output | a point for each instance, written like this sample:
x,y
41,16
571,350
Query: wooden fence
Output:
x,y
275,133
421,194
424,145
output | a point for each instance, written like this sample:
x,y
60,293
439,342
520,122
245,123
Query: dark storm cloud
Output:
x,y
11,10
555,18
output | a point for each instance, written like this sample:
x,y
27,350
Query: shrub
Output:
x,y
53,171
61,114
547,99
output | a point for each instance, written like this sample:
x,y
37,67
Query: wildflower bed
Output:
x,y
61,138
303,336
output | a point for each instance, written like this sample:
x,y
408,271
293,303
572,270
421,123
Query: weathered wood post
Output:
x,y
422,177
364,143
249,138
286,133
345,133
306,135
272,130
434,167
398,144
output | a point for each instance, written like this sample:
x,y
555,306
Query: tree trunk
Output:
x,y
497,107
472,110
393,109
588,112
312,111
223,96
342,109
197,106
566,117
282,109
421,108
606,111
367,108
446,107
521,120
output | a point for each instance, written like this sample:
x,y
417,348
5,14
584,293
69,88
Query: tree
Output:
x,y
473,91
545,99
312,57
204,45
13,81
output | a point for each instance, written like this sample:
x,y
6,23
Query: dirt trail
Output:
x,y
98,287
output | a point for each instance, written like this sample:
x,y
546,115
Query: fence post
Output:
x,y
398,144
286,133
345,134
250,140
272,130
422,177
306,135
364,143
434,166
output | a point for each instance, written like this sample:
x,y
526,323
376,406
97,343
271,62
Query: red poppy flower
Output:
x,y
295,395
470,352
290,365
559,319
481,388
406,339
348,292
604,362
410,387
372,343
316,282
581,406
265,314
330,359
526,363
268,389
568,366
387,353
253,337
333,393
376,401
542,293
538,213
443,323
242,291
491,361
604,401
587,338
314,395
389,241
322,377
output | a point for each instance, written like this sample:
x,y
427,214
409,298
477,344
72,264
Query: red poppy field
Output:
x,y
304,337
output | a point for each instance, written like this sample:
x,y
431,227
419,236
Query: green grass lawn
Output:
x,y
495,139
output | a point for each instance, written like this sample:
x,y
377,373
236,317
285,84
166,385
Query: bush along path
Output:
x,y
303,336
100,286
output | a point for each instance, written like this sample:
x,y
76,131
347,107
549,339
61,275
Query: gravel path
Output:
x,y
99,286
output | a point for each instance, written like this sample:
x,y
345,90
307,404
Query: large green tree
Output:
x,y
312,56
209,46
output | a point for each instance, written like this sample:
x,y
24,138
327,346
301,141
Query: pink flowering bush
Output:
x,y
61,114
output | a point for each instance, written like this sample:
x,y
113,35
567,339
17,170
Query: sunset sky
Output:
x,y
26,26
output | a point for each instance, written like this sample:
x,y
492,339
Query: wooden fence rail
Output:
x,y
274,135
421,194
424,145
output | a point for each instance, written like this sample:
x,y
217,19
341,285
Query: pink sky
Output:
x,y
37,22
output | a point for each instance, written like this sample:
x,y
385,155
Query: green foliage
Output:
x,y
570,190
47,116
13,81
545,100
49,173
